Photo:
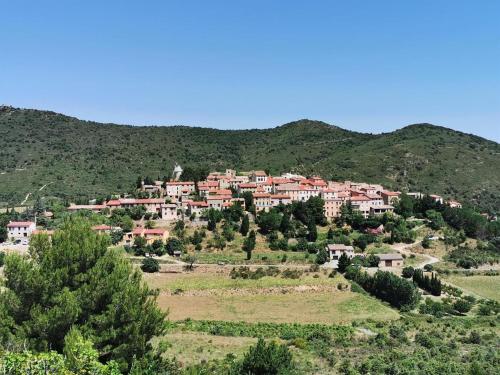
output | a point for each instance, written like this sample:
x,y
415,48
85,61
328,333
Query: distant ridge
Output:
x,y
83,159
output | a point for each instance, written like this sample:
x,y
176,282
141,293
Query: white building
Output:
x,y
336,250
169,212
20,229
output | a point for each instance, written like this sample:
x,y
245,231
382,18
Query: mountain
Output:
x,y
74,159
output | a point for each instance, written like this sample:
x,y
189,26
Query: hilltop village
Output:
x,y
253,192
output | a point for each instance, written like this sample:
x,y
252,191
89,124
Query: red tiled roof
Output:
x,y
248,185
360,198
260,173
15,224
261,195
87,207
172,183
154,231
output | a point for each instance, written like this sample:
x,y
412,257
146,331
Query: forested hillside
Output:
x,y
75,159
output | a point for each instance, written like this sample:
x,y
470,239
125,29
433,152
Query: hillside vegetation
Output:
x,y
75,159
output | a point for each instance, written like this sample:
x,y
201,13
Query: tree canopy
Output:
x,y
74,281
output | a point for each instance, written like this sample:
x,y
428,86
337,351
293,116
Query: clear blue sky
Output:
x,y
363,65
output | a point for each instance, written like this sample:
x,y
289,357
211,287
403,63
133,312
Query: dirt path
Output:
x,y
403,248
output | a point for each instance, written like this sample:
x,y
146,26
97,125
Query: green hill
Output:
x,y
79,159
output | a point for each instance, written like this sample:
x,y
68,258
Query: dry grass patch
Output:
x,y
321,307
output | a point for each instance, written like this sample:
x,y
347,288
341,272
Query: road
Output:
x,y
403,248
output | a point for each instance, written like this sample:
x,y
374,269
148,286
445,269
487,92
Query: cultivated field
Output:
x,y
313,298
483,286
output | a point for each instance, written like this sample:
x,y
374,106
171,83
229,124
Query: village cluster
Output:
x,y
174,200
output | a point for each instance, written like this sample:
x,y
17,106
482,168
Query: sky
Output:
x,y
371,66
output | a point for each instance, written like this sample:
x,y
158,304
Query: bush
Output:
x,y
269,359
2,258
291,274
150,265
408,272
462,306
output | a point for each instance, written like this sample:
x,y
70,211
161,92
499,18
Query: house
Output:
x,y
454,204
244,187
390,260
336,250
150,235
196,208
376,231
20,229
277,199
175,189
262,201
390,197
152,205
437,198
89,207
258,176
380,210
169,212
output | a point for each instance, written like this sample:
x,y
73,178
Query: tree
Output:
x,y
227,232
404,207
248,197
322,256
76,281
150,265
158,248
286,225
249,244
245,225
426,242
218,241
139,245
174,245
116,236
312,232
269,221
435,218
408,272
2,258
343,263
330,234
189,260
266,359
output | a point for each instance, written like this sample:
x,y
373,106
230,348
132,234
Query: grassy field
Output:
x,y
262,257
194,347
322,307
484,286
204,281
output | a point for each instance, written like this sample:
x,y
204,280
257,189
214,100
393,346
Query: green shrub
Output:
x,y
150,265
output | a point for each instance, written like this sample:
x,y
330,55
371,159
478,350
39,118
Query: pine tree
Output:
x,y
249,244
245,225
344,262
76,281
312,234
